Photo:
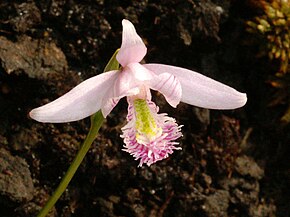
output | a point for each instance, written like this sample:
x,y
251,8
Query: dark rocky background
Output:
x,y
232,163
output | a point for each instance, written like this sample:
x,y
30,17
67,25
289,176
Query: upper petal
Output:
x,y
132,49
80,102
140,72
200,90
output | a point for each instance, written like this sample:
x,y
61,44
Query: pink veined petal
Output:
x,y
80,102
169,86
140,72
129,82
132,49
200,90
126,84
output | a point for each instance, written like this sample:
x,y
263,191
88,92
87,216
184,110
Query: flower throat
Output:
x,y
146,126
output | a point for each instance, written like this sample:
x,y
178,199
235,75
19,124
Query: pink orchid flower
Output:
x,y
148,136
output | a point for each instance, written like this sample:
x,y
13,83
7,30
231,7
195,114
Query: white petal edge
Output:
x,y
200,90
132,49
82,101
108,105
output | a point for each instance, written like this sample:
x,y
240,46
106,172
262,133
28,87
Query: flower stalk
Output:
x,y
97,120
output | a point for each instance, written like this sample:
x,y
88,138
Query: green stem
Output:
x,y
96,122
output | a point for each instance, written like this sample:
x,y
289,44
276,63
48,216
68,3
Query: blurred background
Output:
x,y
232,163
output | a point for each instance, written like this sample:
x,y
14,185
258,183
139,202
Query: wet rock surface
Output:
x,y
232,163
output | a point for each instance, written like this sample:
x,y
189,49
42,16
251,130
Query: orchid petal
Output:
x,y
129,82
132,49
80,102
169,86
140,72
200,90
125,85
108,106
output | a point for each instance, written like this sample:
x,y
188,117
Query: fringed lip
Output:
x,y
140,142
